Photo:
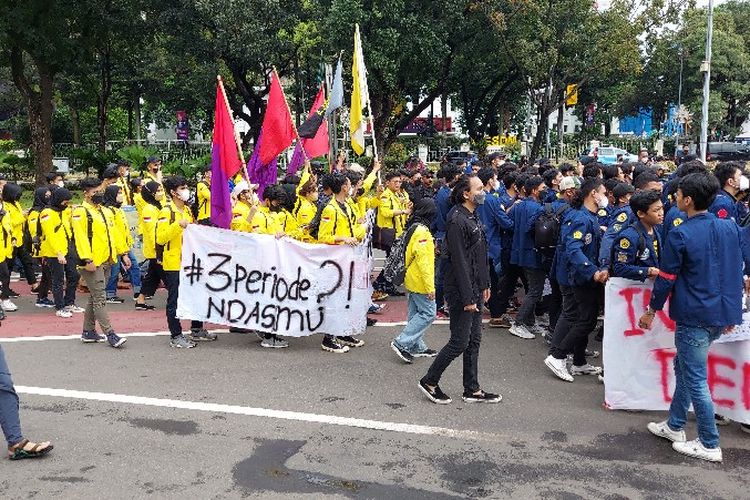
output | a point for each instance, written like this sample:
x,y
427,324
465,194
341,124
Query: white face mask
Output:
x,y
60,183
744,183
253,199
603,202
184,194
496,185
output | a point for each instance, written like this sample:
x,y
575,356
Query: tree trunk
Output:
x,y
541,133
75,123
444,117
103,99
560,138
39,108
137,113
130,121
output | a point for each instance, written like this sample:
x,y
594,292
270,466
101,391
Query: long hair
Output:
x,y
463,184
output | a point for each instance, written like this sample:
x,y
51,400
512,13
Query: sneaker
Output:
x,y
75,309
600,378
63,313
274,343
590,353
144,307
44,302
202,335
482,397
745,428
329,344
435,395
350,341
115,340
9,306
559,368
662,430
181,342
377,296
586,369
115,300
539,330
442,314
376,308
427,353
521,331
721,419
397,293
696,449
13,294
89,337
405,356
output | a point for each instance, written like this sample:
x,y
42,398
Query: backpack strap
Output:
x,y
641,239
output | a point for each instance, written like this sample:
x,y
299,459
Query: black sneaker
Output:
x,y
396,293
13,294
350,341
482,397
371,322
115,300
427,353
435,395
405,356
329,344
144,307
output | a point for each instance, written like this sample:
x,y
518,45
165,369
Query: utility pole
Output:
x,y
706,69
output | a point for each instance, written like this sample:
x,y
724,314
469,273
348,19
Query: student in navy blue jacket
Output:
x,y
580,278
495,220
729,175
524,254
701,267
637,247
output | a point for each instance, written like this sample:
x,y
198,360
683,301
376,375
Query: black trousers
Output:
x,y
494,303
64,281
154,276
511,275
22,254
466,336
172,281
5,279
45,282
577,320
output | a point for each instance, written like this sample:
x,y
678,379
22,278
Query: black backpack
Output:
x,y
160,248
196,206
547,228
394,270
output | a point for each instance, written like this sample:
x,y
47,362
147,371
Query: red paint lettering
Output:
x,y
662,315
665,357
746,385
715,379
628,294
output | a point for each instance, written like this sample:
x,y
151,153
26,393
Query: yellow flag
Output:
x,y
357,122
571,93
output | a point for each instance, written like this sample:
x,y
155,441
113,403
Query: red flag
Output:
x,y
318,145
278,128
225,162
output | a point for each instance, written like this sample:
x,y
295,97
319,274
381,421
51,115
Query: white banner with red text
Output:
x,y
638,364
272,285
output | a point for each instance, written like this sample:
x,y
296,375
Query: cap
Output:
x,y
567,183
110,172
356,167
243,186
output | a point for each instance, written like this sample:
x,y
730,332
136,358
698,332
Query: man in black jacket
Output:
x,y
467,288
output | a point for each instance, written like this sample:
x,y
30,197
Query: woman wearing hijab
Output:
x,y
152,193
11,200
419,281
41,201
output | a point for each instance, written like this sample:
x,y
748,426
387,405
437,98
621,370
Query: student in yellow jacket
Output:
x,y
245,207
95,243
393,208
419,281
306,206
41,201
339,226
123,171
274,200
11,200
152,172
152,194
6,251
173,219
57,248
114,197
203,197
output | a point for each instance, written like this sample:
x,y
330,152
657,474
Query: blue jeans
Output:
x,y
135,276
9,420
420,317
691,382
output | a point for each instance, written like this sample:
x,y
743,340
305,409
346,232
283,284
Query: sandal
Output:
x,y
28,449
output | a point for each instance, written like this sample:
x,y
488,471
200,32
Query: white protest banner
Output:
x,y
273,285
638,371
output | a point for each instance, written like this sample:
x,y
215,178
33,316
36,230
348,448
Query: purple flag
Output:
x,y
298,159
262,175
224,162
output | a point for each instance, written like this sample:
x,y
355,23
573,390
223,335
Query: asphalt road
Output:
x,y
546,439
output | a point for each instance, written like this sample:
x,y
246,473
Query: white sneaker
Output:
x,y
559,368
662,430
274,343
8,305
75,309
539,330
63,313
696,449
586,369
521,331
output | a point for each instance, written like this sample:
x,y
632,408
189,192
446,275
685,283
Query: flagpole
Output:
x,y
299,139
236,135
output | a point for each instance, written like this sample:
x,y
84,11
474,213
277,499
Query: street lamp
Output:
x,y
706,70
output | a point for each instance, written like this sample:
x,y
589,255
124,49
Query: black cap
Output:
x,y
110,172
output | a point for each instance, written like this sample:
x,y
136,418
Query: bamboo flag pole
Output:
x,y
299,139
236,135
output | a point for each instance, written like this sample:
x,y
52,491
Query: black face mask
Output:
x,y
97,198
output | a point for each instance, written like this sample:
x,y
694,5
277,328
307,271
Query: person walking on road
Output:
x,y
467,288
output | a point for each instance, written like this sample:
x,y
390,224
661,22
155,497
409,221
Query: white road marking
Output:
x,y
260,412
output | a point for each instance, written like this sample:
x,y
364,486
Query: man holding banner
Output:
x,y
700,268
